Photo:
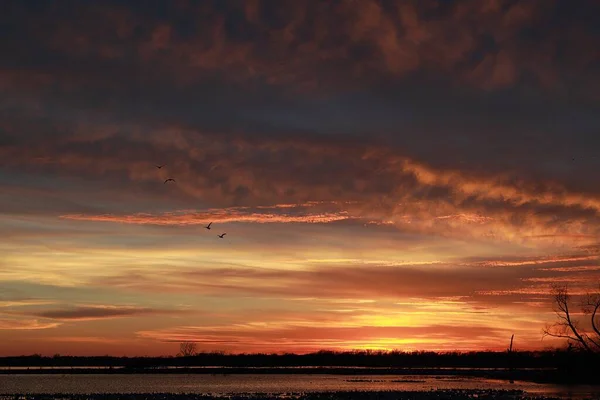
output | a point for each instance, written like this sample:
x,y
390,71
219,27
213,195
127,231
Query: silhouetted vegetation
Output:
x,y
562,361
569,327
187,349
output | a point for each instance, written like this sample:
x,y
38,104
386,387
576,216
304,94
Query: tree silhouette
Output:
x,y
568,327
187,349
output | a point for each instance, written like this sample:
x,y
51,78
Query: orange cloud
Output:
x,y
493,187
373,184
573,269
24,302
20,324
234,214
85,339
341,280
538,261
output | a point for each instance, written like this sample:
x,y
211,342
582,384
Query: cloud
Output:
x,y
563,260
342,279
482,44
255,144
573,269
328,282
84,339
302,213
19,324
330,183
87,313
23,302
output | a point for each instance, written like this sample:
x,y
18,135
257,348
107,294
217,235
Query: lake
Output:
x,y
263,383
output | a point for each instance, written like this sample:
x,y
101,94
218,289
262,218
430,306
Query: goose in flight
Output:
x,y
208,226
169,180
160,166
221,235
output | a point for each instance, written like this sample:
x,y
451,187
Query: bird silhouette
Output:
x,y
160,166
170,179
221,235
208,226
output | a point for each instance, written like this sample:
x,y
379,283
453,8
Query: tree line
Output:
x,y
366,358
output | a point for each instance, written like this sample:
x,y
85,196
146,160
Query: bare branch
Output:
x,y
593,341
595,310
567,327
557,335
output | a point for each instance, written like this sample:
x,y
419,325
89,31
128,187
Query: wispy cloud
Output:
x,y
541,261
24,303
21,324
88,313
260,214
343,278
85,339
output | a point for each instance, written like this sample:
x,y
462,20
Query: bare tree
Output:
x,y
187,349
568,327
591,308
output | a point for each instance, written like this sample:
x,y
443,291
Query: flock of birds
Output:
x,y
222,235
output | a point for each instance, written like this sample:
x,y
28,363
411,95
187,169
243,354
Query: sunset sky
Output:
x,y
391,175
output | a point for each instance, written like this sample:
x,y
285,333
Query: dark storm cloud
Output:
x,y
262,102
203,62
491,44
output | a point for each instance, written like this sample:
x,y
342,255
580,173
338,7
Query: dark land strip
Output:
x,y
532,375
453,394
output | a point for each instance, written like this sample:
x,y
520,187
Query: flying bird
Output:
x,y
221,235
160,166
208,226
170,179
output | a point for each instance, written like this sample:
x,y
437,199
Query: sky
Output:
x,y
409,175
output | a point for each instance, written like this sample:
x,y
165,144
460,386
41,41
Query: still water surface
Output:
x,y
262,383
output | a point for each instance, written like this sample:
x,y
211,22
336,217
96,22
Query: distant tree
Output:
x,y
187,349
510,348
510,355
569,327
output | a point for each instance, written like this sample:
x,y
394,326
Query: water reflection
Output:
x,y
263,383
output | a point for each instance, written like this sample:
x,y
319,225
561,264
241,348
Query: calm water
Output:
x,y
222,384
